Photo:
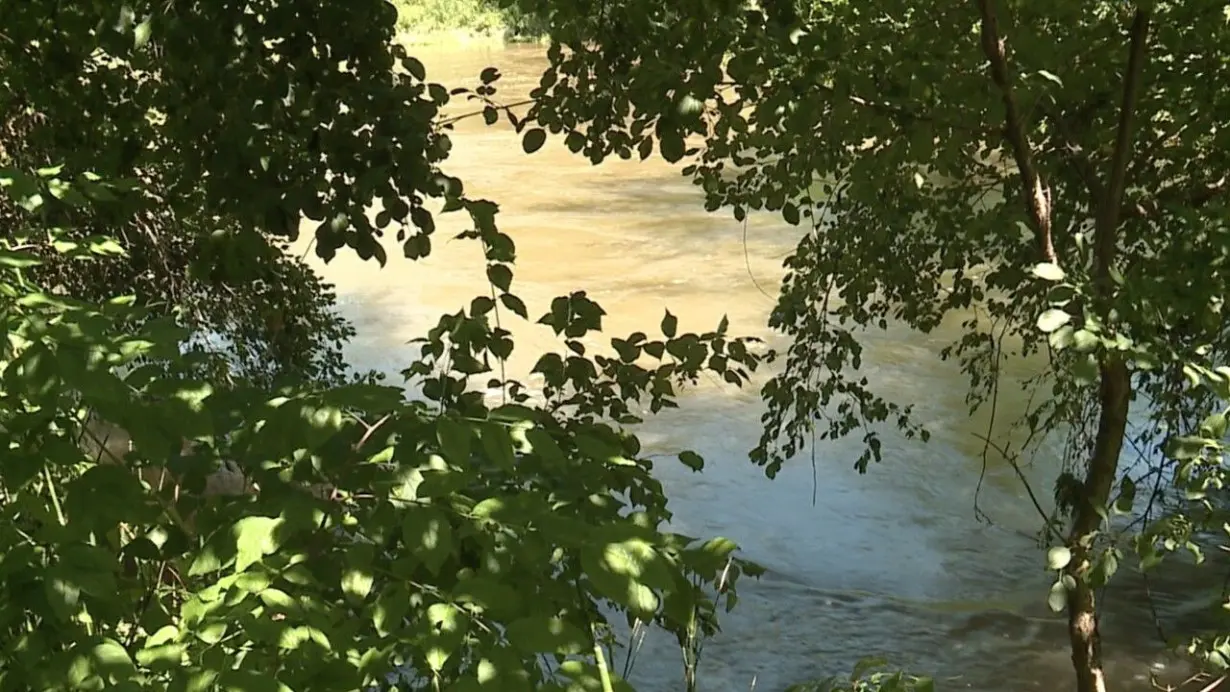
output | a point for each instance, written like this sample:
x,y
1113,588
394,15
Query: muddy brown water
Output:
x,y
893,563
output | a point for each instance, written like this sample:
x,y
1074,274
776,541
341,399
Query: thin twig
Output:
x,y
997,351
445,122
1050,529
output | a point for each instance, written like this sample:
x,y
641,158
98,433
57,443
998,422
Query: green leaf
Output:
x,y
1105,568
428,535
454,440
515,304
1052,319
390,609
867,664
497,445
490,596
255,537
671,146
279,600
790,213
545,634
625,572
1084,341
500,276
711,557
501,669
415,67
357,583
1048,271
1050,77
692,460
112,659
244,680
436,656
141,34
1085,369
1057,598
211,632
670,324
1185,447
1062,338
63,595
533,140
18,260
586,677
1215,425
545,446
165,657
1058,557
448,626
198,680
205,562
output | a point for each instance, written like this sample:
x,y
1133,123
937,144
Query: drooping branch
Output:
x,y
1037,194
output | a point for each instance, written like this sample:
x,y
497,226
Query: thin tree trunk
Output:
x,y
1114,399
1115,391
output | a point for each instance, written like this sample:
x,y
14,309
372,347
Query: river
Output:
x,y
893,563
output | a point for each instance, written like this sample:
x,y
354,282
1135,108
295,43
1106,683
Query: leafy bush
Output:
x,y
274,315
445,544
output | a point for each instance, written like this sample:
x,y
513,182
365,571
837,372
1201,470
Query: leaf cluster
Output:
x,y
369,541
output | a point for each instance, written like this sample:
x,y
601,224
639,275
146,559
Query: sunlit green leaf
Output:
x,y
542,634
1053,319
1058,557
427,534
255,537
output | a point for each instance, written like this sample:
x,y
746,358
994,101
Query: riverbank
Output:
x,y
464,22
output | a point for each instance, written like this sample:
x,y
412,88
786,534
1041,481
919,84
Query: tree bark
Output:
x,y
1114,398
1115,389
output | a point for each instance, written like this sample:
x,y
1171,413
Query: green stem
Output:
x,y
603,671
55,499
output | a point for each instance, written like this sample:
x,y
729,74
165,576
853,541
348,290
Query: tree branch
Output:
x,y
1112,200
1076,157
1037,194
1194,196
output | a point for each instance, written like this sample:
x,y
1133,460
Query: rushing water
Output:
x,y
893,563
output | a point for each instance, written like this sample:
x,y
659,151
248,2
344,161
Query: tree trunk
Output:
x,y
1114,399
1115,392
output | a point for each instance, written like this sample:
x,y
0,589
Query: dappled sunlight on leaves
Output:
x,y
324,538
